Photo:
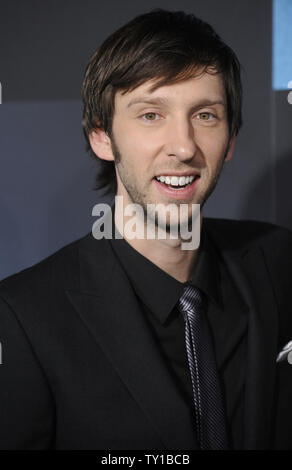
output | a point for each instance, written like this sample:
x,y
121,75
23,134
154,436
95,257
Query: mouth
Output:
x,y
177,187
176,182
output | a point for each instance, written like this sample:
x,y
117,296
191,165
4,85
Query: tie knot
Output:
x,y
190,300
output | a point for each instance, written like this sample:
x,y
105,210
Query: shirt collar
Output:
x,y
206,273
158,290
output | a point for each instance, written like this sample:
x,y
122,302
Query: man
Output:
x,y
137,343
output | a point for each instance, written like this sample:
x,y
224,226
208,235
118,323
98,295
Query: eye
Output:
x,y
205,115
150,116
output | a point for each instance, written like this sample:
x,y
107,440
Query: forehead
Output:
x,y
208,87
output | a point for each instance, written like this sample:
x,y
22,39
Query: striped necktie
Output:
x,y
209,408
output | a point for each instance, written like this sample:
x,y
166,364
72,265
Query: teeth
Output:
x,y
176,180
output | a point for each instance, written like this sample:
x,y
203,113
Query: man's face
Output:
x,y
177,130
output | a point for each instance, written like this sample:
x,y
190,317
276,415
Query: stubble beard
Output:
x,y
138,197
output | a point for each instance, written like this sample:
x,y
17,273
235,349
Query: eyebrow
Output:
x,y
163,101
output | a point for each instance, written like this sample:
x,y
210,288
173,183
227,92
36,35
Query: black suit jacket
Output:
x,y
80,369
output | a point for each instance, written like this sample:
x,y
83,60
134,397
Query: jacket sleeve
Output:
x,y
26,403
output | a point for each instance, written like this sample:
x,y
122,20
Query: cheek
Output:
x,y
137,150
128,139
214,148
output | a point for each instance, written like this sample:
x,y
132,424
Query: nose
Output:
x,y
180,139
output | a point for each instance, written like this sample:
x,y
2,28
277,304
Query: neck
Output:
x,y
168,254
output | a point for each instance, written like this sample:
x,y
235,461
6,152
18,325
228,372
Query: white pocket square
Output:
x,y
286,353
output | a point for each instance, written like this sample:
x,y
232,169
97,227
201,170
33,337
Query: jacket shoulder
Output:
x,y
232,234
59,267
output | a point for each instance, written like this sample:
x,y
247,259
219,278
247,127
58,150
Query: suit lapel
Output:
x,y
251,277
110,311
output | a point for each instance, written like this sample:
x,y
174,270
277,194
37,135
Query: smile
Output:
x,y
177,187
176,182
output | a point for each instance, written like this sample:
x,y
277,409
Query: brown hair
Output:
x,y
163,45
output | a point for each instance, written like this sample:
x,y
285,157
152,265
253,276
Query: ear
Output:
x,y
101,144
230,149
